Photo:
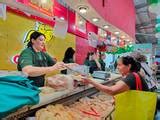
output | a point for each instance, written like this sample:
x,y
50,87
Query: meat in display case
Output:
x,y
70,104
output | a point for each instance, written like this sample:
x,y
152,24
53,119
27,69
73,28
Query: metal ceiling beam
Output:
x,y
145,23
145,34
142,5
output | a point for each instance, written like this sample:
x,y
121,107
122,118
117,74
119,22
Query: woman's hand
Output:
x,y
59,66
70,65
86,80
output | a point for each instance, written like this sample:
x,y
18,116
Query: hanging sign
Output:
x,y
92,39
80,23
44,6
60,27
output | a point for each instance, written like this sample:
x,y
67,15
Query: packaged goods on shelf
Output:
x,y
60,82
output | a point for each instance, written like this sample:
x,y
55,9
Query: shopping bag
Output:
x,y
135,104
16,92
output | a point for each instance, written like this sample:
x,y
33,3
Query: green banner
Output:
x,y
153,1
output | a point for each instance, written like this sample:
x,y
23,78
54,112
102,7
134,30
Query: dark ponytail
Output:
x,y
135,66
34,36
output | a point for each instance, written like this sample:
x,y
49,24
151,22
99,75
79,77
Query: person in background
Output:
x,y
154,67
36,63
92,60
69,57
145,70
126,66
102,57
88,58
115,63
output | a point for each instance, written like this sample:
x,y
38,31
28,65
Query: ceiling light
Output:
x,y
95,19
62,18
74,27
113,38
80,22
43,1
116,32
83,9
105,26
105,34
123,36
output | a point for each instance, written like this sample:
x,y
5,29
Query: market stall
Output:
x,y
59,25
66,97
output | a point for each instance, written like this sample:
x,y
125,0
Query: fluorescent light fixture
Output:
x,y
123,36
62,18
83,9
105,26
95,19
43,1
116,32
80,22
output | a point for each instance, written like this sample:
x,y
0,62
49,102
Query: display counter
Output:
x,y
65,97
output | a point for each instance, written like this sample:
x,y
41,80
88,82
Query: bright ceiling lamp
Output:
x,y
95,19
104,35
43,1
105,26
123,36
117,33
62,18
83,9
80,22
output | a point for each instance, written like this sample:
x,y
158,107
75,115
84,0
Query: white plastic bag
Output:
x,y
61,82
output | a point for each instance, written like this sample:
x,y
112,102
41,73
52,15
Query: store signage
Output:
x,y
14,59
80,23
40,27
144,48
60,28
92,39
45,6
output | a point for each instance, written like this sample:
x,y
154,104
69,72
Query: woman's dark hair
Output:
x,y
34,36
139,56
135,66
101,55
89,54
68,54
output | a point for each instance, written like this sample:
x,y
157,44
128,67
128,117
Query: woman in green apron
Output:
x,y
36,63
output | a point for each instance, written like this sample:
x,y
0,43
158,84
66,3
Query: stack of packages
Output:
x,y
86,109
61,82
